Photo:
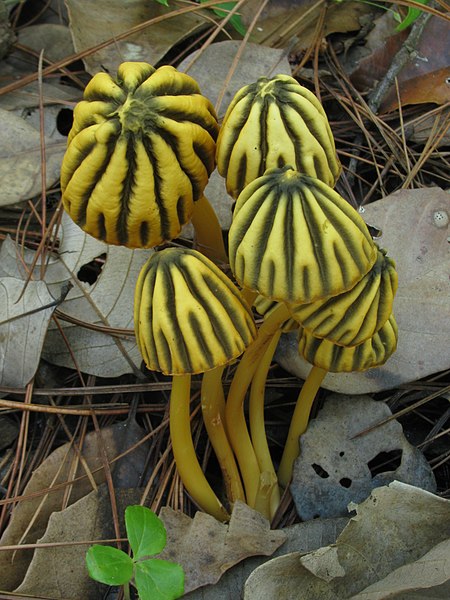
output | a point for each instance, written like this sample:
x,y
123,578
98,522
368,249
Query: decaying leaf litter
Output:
x,y
83,385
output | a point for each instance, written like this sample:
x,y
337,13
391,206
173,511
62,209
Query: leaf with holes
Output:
x,y
104,278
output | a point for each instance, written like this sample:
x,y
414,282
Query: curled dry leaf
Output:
x,y
427,577
415,232
302,537
396,525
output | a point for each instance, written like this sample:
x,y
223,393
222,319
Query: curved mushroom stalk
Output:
x,y
213,411
326,356
184,453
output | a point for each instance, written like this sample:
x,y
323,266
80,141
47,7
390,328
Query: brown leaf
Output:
x,y
293,23
94,22
63,465
207,548
394,526
424,78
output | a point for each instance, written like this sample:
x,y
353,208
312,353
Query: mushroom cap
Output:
x,y
139,155
294,239
188,316
374,352
271,123
357,314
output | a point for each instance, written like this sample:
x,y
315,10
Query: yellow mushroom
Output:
x,y
139,156
294,240
271,123
190,318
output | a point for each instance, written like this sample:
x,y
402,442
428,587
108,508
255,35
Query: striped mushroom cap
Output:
x,y
188,316
272,123
356,315
139,155
374,352
294,239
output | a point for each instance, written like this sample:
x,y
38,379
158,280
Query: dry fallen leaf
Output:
x,y
396,525
107,302
20,154
427,577
423,79
415,233
302,537
21,334
335,467
30,516
207,548
293,24
95,22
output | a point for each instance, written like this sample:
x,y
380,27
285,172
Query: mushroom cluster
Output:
x,y
139,155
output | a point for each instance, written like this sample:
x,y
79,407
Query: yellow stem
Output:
x,y
299,423
257,421
186,460
234,411
208,233
249,296
213,407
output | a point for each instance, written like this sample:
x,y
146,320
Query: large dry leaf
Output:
x,y
20,154
63,465
21,334
396,525
293,23
53,39
95,22
107,302
302,537
427,577
415,233
207,548
211,67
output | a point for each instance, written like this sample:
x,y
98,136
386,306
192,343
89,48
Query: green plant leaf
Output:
x,y
109,565
146,532
235,21
159,580
163,2
411,16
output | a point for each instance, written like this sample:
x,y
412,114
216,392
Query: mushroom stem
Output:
x,y
257,422
234,411
299,423
208,233
186,460
213,409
